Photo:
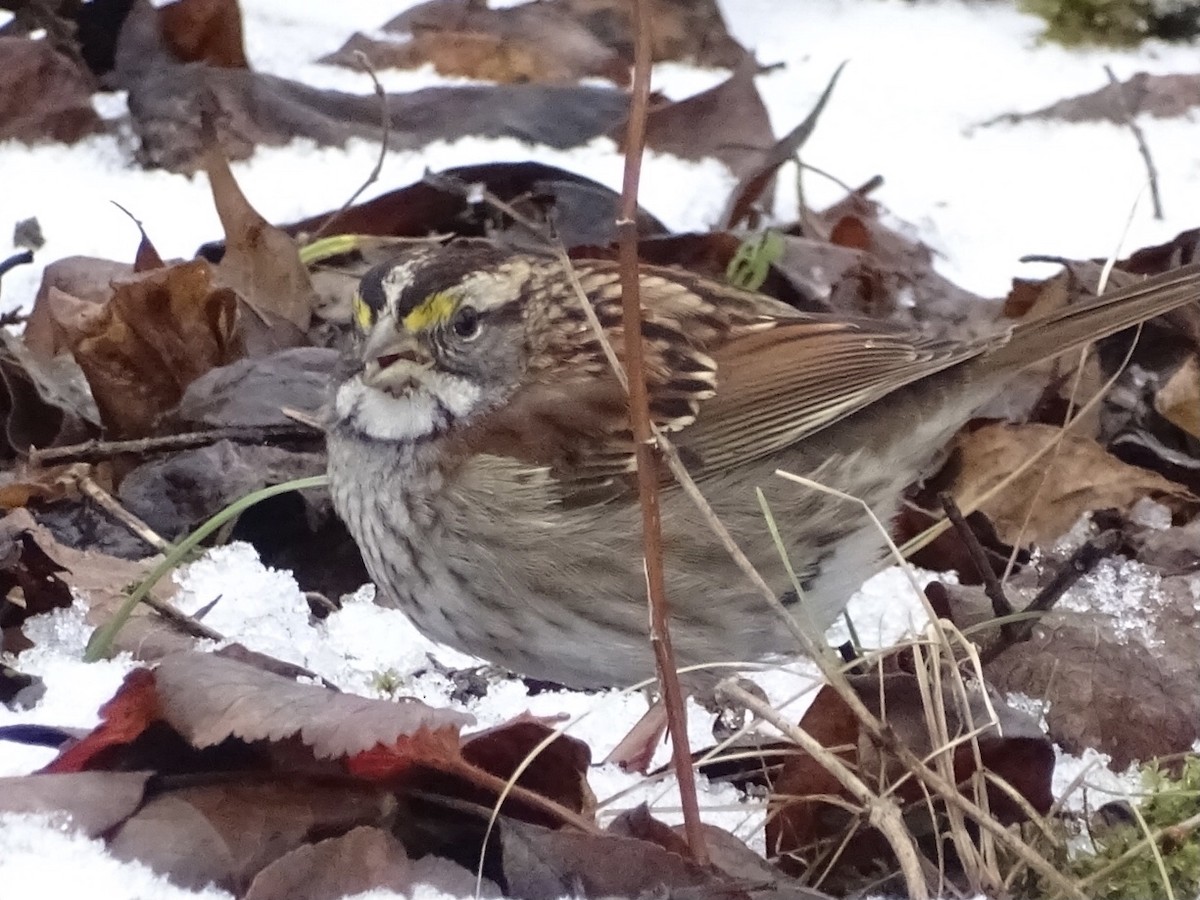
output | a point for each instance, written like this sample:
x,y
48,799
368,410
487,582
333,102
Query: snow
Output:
x,y
921,80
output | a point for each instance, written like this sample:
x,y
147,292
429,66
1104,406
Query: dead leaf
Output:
x,y
1059,488
533,42
123,719
91,802
811,830
207,699
101,580
361,860
1161,96
225,833
208,31
250,108
759,172
582,210
43,95
728,122
29,579
159,333
1115,662
261,262
540,864
174,493
559,772
684,30
86,283
1178,401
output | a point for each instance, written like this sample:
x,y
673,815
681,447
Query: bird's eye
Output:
x,y
466,323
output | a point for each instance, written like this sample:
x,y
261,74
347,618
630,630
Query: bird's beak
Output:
x,y
393,357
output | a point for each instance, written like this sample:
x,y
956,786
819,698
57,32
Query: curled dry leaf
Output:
x,y
207,699
100,581
93,802
1178,401
361,860
261,262
226,832
208,31
43,95
157,334
251,108
1044,502
1115,660
539,42
728,122
812,829
559,771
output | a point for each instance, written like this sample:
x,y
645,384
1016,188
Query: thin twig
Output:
x,y
386,125
646,450
110,504
184,622
97,451
991,584
1081,562
1127,117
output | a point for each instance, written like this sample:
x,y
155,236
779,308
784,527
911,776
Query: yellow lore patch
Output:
x,y
364,317
434,310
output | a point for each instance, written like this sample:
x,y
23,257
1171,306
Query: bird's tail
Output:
x,y
1072,327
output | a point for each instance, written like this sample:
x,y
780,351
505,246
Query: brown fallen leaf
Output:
x,y
43,95
251,108
684,30
207,699
261,262
561,768
1115,660
532,42
811,829
728,122
1161,96
226,832
1061,486
208,31
93,802
1178,401
158,333
83,285
101,581
361,860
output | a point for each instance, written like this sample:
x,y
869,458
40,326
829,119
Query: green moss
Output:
x,y
1116,23
1170,800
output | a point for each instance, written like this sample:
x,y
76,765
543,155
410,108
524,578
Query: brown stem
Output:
x,y
1081,562
96,451
1127,115
991,584
646,448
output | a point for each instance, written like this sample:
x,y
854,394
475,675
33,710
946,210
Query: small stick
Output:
x,y
96,451
1127,113
386,125
109,503
187,624
991,584
647,452
1081,562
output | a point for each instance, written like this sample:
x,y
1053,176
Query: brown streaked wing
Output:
x,y
778,386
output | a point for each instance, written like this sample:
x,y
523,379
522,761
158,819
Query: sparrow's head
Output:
x,y
444,340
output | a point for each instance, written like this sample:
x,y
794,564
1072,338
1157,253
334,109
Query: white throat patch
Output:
x,y
434,405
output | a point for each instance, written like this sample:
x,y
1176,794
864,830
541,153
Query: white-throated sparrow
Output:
x,y
481,452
